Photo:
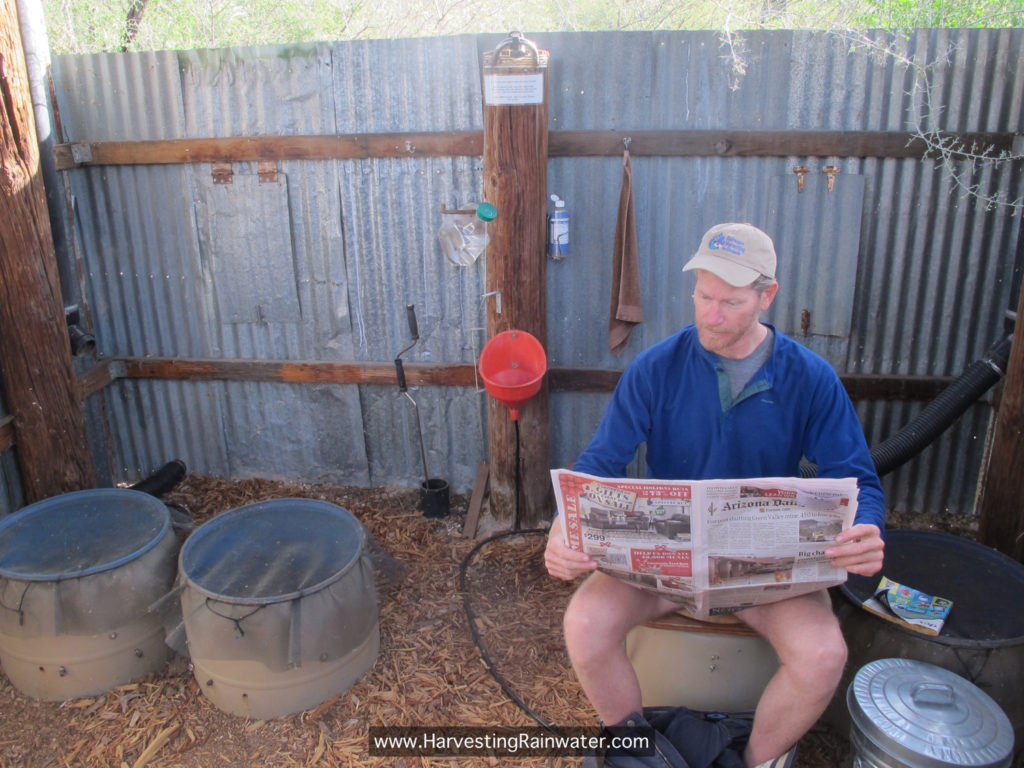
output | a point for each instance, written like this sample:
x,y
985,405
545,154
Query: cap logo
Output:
x,y
721,242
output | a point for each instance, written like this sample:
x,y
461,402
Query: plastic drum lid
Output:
x,y
927,716
271,551
80,533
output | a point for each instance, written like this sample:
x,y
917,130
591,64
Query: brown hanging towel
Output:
x,y
627,309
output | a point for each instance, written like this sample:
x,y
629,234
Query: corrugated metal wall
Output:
x,y
10,483
900,272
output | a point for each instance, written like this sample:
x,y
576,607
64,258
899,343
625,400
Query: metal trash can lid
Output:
x,y
927,716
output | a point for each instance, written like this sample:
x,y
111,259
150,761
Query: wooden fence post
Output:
x,y
1001,517
515,181
35,357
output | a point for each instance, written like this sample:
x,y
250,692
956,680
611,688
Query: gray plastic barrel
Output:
x,y
279,606
911,714
78,574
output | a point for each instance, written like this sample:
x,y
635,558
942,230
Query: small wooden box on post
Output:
x,y
515,181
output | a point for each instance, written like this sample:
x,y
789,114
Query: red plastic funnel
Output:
x,y
512,365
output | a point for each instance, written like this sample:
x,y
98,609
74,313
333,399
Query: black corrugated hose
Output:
x,y
948,406
163,480
944,409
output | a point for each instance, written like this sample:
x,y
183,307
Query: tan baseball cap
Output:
x,y
737,253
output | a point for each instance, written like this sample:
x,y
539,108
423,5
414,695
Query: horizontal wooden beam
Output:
x,y
900,388
860,386
678,143
88,383
299,372
273,148
99,376
712,143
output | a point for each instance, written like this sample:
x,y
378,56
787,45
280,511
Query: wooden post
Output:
x,y
1001,519
35,357
515,181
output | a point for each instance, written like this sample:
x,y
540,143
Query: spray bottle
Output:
x,y
558,229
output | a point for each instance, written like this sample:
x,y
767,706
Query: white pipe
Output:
x,y
37,58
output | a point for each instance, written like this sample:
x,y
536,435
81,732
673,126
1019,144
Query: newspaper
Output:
x,y
713,546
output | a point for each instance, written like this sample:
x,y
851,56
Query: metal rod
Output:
x,y
419,432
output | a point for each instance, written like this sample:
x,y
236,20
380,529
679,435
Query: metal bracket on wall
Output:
x,y
267,171
497,300
222,173
81,153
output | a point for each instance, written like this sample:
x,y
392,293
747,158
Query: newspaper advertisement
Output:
x,y
714,546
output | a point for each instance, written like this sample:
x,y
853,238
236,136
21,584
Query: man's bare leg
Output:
x,y
812,653
598,618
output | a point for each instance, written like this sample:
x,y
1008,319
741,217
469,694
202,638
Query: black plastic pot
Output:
x,y
434,497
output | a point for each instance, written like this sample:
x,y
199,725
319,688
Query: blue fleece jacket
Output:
x,y
675,397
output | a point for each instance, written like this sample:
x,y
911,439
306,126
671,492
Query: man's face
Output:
x,y
727,317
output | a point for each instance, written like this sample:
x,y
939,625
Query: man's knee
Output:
x,y
589,621
832,653
602,611
820,659
578,621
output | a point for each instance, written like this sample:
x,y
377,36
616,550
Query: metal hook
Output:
x,y
497,300
627,141
800,171
831,171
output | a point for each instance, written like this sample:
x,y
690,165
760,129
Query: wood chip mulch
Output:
x,y
428,672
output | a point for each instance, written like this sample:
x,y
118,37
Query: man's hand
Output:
x,y
858,549
562,562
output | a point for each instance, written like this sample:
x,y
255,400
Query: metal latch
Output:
x,y
222,173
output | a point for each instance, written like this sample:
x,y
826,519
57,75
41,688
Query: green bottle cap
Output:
x,y
486,211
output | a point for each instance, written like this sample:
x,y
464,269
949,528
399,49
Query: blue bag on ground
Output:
x,y
683,738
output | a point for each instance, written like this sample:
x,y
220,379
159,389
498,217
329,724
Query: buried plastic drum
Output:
x,y
279,606
78,574
983,638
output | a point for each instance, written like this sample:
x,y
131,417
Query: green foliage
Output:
x,y
912,14
85,26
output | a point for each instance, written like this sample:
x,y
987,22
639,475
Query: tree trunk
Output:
x,y
35,358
